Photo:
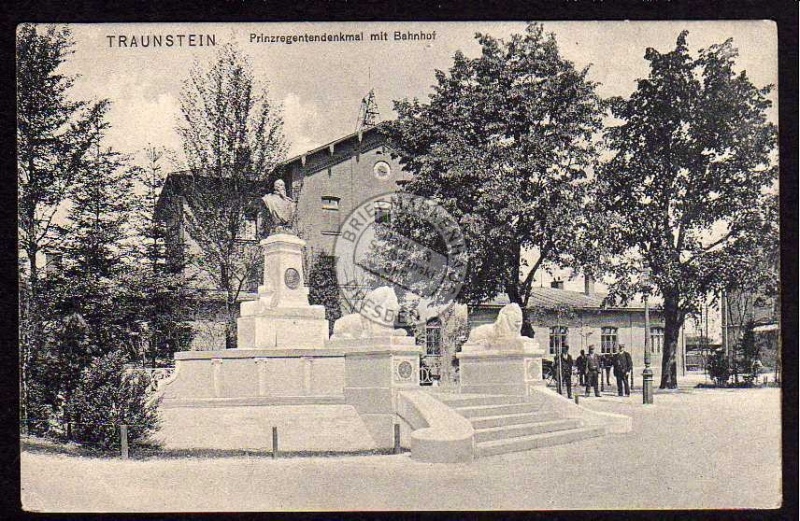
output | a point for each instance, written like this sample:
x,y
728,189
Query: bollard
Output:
x,y
274,442
397,438
123,441
576,398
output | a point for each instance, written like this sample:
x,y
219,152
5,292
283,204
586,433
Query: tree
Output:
x,y
54,134
323,289
685,192
504,145
94,251
232,140
156,291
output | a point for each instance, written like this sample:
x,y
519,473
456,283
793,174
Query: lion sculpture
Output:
x,y
375,319
503,334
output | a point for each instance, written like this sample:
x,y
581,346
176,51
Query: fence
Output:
x,y
122,431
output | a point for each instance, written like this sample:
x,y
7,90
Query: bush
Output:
x,y
718,368
109,396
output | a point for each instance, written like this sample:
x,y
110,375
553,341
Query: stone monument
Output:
x,y
380,361
282,316
497,359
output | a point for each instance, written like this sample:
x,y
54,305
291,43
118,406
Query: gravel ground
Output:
x,y
692,449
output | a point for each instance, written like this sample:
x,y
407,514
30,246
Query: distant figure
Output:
x,y
279,210
608,364
565,375
580,362
622,366
592,368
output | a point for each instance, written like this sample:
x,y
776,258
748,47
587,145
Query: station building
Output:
x,y
330,181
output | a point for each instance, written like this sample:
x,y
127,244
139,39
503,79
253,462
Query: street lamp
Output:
x,y
647,373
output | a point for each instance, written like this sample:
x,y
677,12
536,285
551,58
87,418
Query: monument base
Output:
x,y
500,371
253,373
282,318
376,369
259,327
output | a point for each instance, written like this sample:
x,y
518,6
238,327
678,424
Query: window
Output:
x,y
608,339
383,212
558,338
433,338
330,214
53,262
656,339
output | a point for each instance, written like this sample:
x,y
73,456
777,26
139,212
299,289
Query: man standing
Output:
x,y
565,376
608,363
580,362
592,368
622,366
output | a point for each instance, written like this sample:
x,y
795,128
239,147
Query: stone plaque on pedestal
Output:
x,y
375,370
496,359
282,318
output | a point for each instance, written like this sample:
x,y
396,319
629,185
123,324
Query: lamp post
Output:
x,y
559,374
647,374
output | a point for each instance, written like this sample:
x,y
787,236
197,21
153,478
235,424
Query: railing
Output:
x,y
155,375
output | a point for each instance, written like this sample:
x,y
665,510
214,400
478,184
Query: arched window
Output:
x,y
433,338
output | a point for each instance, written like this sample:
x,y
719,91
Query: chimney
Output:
x,y
588,284
557,284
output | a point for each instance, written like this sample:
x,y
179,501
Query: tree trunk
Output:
x,y
673,320
230,327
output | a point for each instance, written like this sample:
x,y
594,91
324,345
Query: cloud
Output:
x,y
303,124
140,116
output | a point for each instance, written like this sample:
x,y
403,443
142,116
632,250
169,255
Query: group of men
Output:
x,y
590,367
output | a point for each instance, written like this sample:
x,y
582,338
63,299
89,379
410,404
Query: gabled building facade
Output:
x,y
330,181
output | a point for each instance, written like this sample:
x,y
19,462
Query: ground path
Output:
x,y
695,448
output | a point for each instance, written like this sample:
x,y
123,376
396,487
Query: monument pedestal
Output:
x,y
282,318
376,369
256,377
514,370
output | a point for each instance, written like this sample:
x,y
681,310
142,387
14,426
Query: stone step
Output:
x,y
524,429
459,401
476,411
535,441
488,422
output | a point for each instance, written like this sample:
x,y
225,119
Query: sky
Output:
x,y
320,84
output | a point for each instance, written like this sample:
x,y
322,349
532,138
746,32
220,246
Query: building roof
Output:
x,y
552,298
178,183
327,147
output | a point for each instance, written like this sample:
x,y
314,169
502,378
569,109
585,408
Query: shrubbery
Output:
x,y
718,368
109,396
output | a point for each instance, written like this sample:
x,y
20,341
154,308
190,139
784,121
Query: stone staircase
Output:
x,y
510,423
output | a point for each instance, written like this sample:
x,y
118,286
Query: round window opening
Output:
x,y
382,170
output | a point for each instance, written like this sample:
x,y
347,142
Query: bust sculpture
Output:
x,y
279,210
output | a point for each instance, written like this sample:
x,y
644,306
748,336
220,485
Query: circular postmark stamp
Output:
x,y
399,245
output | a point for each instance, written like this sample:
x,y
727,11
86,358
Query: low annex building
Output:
x,y
579,318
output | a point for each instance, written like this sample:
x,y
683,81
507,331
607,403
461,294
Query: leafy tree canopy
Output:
x,y
504,145
686,196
